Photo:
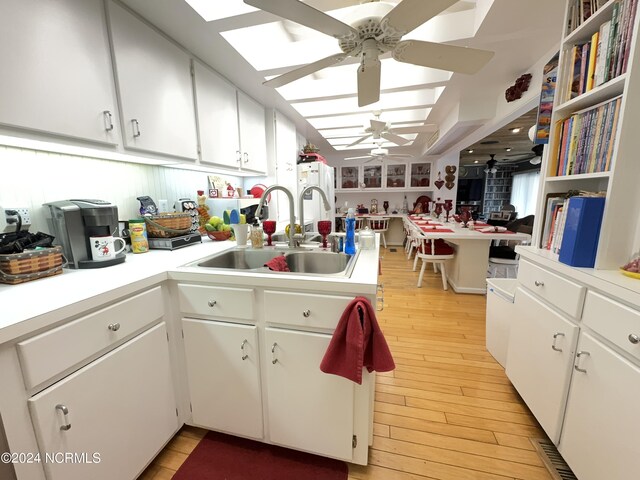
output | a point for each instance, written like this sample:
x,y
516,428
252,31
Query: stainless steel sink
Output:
x,y
301,261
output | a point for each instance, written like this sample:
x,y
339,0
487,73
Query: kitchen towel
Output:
x,y
357,342
278,264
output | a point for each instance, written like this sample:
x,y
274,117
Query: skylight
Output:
x,y
217,10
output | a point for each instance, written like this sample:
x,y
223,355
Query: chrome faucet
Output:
x,y
325,200
292,216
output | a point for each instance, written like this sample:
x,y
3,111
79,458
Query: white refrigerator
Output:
x,y
322,175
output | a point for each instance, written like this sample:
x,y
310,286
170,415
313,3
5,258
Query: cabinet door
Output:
x,y
396,175
308,409
349,178
56,69
419,175
253,137
600,433
224,379
540,358
286,156
154,85
217,118
372,176
120,407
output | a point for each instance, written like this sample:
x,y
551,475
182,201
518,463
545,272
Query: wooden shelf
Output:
x,y
581,176
602,93
590,26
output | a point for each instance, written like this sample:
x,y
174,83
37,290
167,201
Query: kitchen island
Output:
x,y
142,348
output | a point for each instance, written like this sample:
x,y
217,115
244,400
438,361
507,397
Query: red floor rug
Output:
x,y
224,457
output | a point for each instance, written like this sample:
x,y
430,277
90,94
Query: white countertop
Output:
x,y
33,305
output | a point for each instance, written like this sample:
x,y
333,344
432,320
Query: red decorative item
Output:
x,y
324,229
269,227
257,191
515,91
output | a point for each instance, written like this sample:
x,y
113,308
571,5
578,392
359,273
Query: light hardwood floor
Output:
x,y
447,412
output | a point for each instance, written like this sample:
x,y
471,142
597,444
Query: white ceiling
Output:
x,y
252,46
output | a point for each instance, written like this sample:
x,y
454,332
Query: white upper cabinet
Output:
x,y
154,86
286,161
217,118
253,138
56,69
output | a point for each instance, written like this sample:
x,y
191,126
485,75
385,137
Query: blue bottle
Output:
x,y
350,240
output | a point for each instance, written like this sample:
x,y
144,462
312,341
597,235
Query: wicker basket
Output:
x,y
168,225
31,265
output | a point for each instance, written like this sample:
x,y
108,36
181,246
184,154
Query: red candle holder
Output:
x,y
324,229
269,227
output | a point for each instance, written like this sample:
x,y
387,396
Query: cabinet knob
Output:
x,y
578,355
212,303
65,413
114,327
274,360
306,313
538,284
633,338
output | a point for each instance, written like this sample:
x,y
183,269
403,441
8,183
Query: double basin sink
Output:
x,y
302,261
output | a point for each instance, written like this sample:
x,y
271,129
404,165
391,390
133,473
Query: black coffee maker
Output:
x,y
72,222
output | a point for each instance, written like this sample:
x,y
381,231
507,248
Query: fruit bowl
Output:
x,y
219,236
630,274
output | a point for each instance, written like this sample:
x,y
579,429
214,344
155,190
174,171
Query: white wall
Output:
x,y
451,159
30,178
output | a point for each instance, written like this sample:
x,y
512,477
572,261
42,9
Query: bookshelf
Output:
x,y
618,174
497,188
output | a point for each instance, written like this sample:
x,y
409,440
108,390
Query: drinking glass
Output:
x,y
269,227
324,229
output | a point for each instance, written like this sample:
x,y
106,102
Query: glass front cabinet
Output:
x,y
396,175
372,176
349,177
420,175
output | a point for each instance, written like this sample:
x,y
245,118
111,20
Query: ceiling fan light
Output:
x,y
535,161
494,170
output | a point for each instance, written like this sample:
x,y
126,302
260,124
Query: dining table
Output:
x,y
467,270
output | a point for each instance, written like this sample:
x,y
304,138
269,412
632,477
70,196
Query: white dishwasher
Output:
x,y
500,311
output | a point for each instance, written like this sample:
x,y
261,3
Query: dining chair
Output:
x,y
413,239
380,225
359,224
435,251
503,259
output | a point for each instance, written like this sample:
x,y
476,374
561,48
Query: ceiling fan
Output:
x,y
535,158
491,164
378,29
382,130
379,154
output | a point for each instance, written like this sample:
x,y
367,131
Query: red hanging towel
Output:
x,y
356,343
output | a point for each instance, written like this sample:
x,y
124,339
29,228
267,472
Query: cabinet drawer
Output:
x,y
216,301
52,352
614,321
304,310
556,290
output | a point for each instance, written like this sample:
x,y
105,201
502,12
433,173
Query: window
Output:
x,y
524,192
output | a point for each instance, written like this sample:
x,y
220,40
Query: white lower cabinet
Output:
x,y
308,409
224,376
540,359
602,421
113,415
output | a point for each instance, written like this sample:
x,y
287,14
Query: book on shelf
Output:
x,y
585,140
580,231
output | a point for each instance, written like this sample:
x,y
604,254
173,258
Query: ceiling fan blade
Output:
x,y
377,125
358,158
399,155
360,140
306,15
369,83
409,14
442,56
298,73
416,129
397,139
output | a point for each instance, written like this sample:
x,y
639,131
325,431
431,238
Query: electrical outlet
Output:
x,y
9,221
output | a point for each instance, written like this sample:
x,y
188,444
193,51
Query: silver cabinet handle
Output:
x,y
212,303
578,355
306,313
239,154
633,338
553,345
136,128
244,355
274,360
65,413
108,120
380,298
538,284
246,157
114,327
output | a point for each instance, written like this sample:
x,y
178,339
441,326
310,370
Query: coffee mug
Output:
x,y
103,247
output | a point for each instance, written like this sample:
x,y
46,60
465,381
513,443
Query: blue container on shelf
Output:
x,y
350,239
581,231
